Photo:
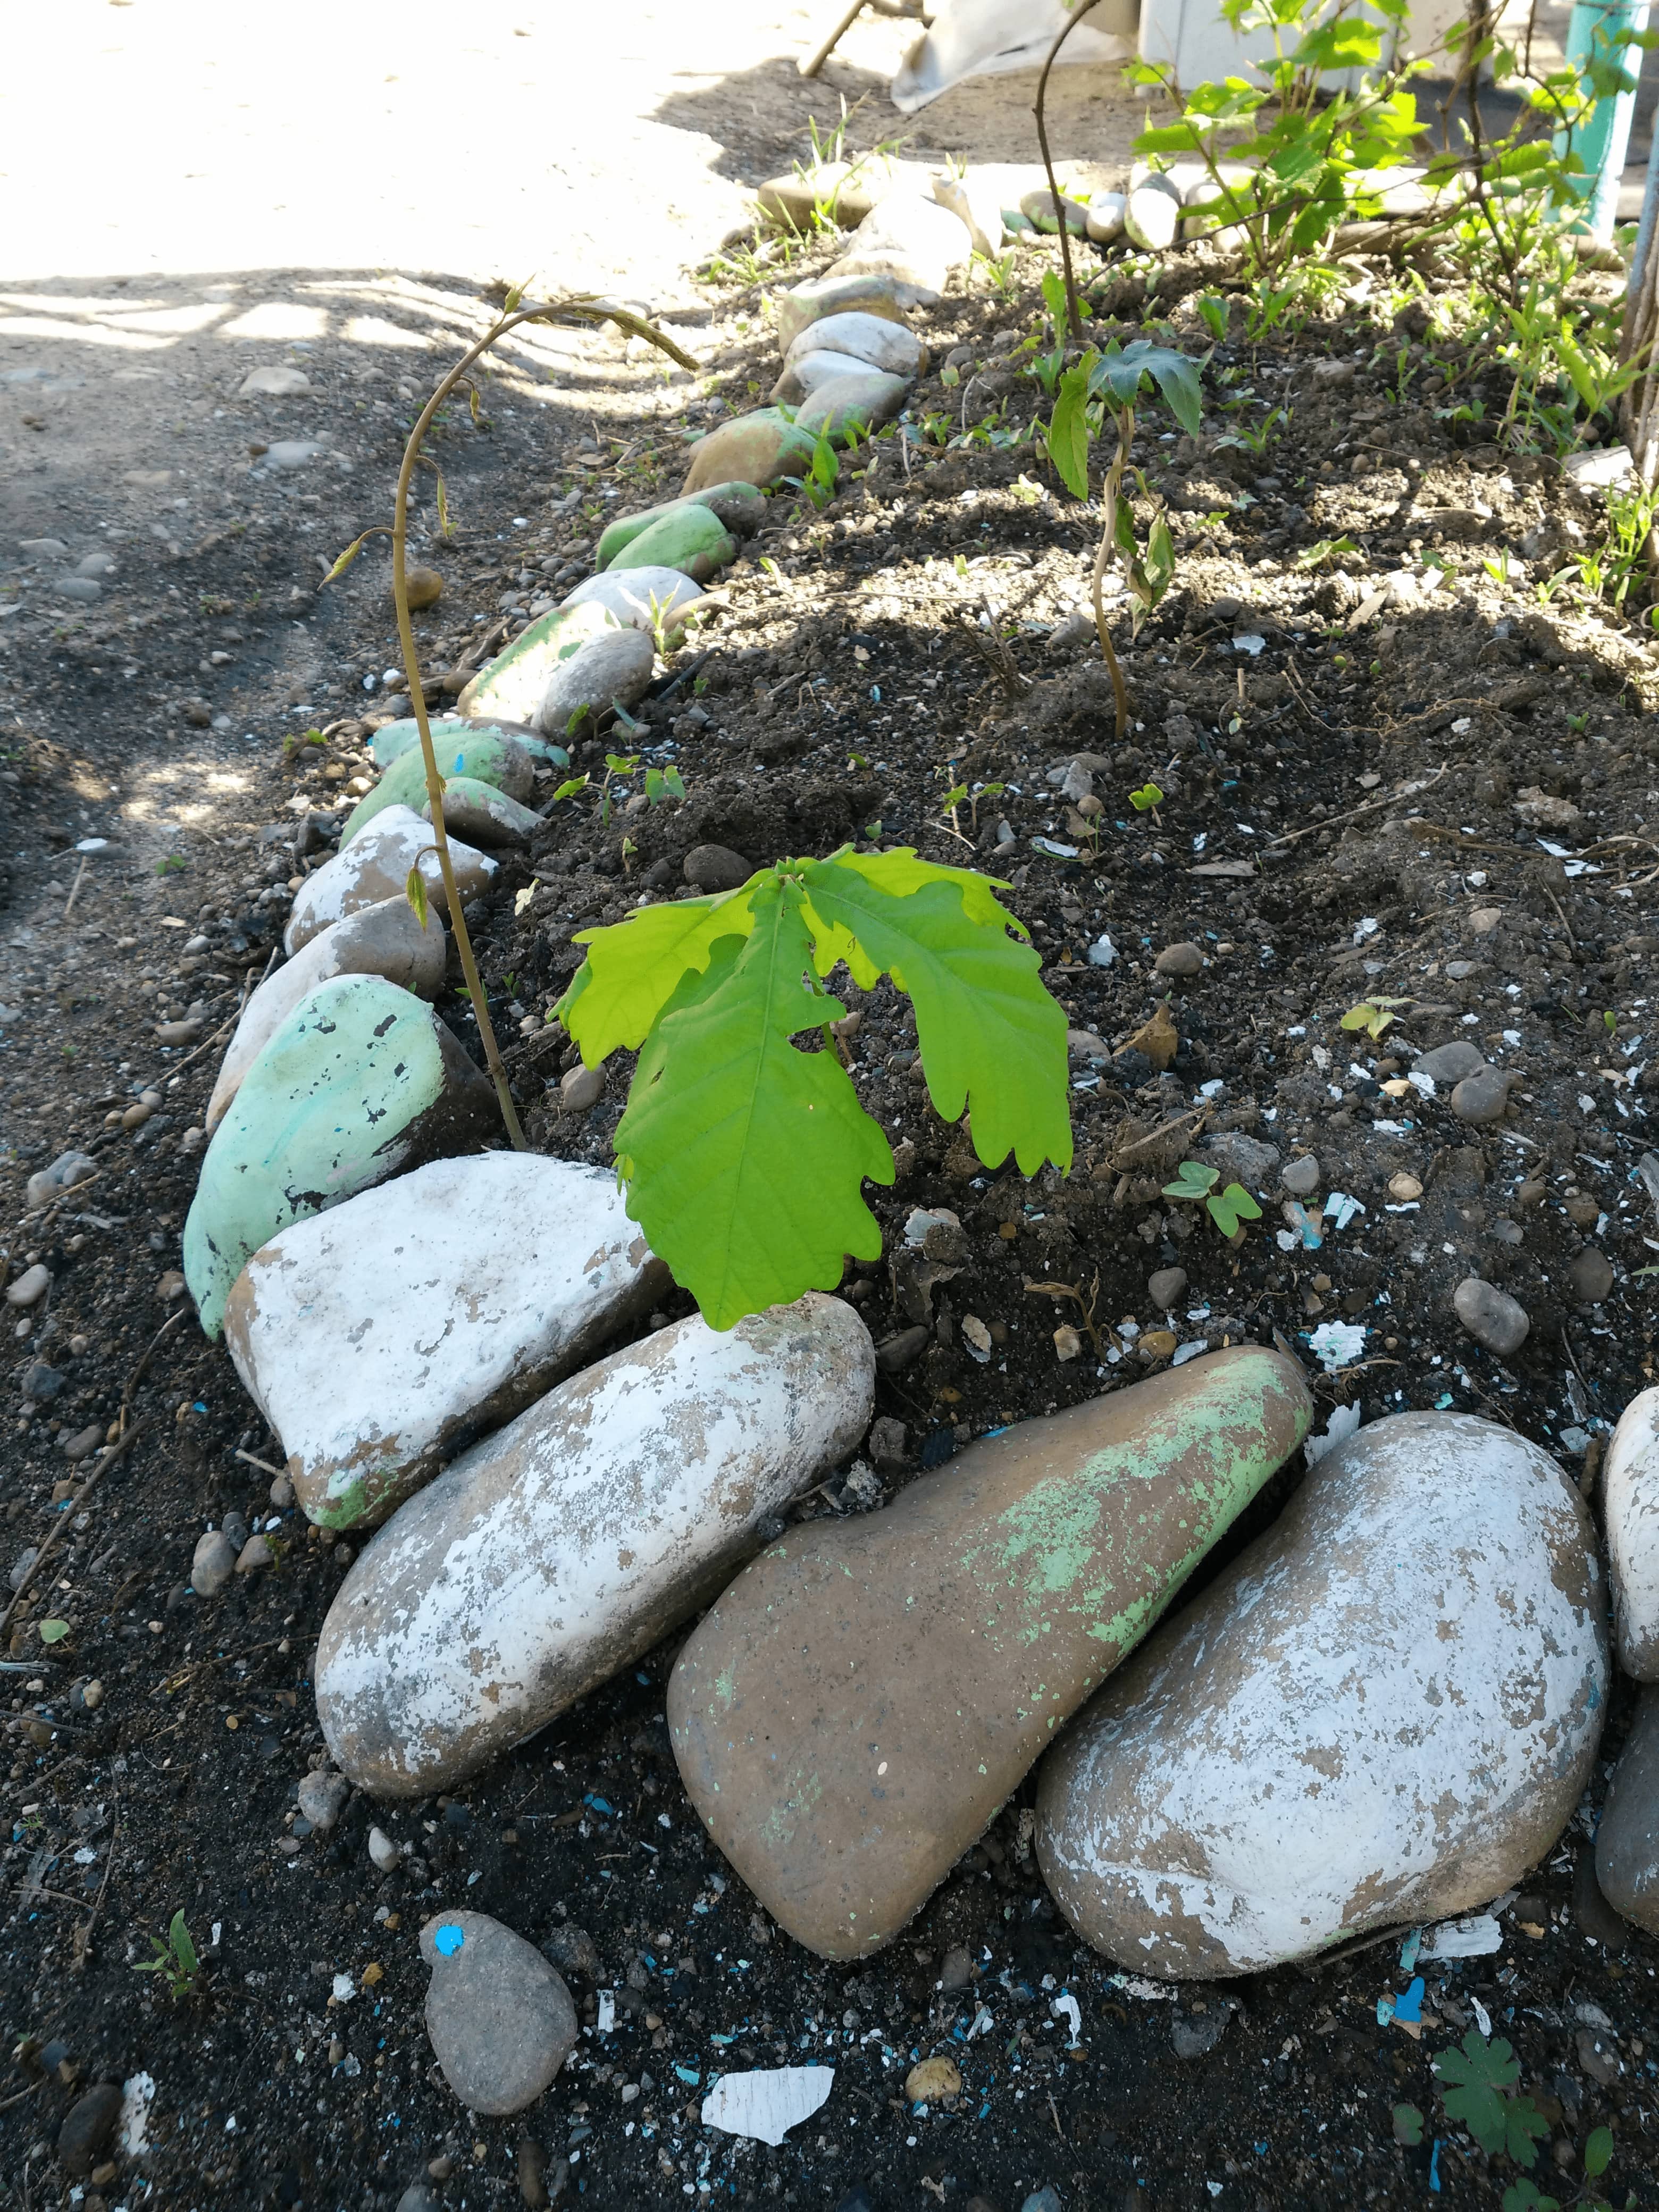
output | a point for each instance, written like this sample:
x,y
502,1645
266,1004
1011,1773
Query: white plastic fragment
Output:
x,y
1474,1936
1101,952
137,2095
1066,2007
764,2104
1336,1343
607,2011
1343,1420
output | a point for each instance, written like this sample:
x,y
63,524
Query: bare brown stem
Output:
x,y
1073,321
586,308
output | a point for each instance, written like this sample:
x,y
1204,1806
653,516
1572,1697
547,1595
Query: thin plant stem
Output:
x,y
1125,421
1074,320
585,309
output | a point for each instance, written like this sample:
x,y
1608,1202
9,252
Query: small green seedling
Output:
x,y
1526,2196
1226,1208
175,1960
174,864
1610,1020
1328,549
663,783
53,1631
1147,800
1482,2076
1373,1016
1408,2125
744,1155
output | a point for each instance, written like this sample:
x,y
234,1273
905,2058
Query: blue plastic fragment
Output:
x,y
599,1805
1434,2168
1408,1951
449,1939
1410,2006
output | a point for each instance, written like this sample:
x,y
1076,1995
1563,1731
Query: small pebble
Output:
x,y
323,1797
87,2127
382,1849
1179,960
30,1287
1450,1063
1480,1098
931,2081
1589,1276
532,2171
1301,1176
1491,1316
1194,2034
715,868
255,1555
1404,1189
482,1975
425,587
282,1492
580,1088
65,1171
212,1564
1167,1287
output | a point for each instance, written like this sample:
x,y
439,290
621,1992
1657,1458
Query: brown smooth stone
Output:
x,y
854,1711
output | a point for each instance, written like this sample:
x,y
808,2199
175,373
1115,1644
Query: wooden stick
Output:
x,y
814,62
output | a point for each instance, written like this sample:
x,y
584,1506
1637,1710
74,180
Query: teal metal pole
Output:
x,y
1601,30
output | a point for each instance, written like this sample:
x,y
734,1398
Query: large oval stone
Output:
x,y
482,755
360,1081
509,1270
1627,1836
848,406
562,1547
393,739
1382,1712
482,816
739,506
852,1711
386,938
872,339
644,598
822,296
513,683
613,670
689,537
758,449
375,865
1630,1496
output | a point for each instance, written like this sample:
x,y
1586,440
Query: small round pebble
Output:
x,y
382,1849
1450,1063
1179,960
30,1287
212,1564
1301,1176
500,2018
255,1555
1491,1316
1403,1188
1589,1276
1166,1287
1480,1098
425,587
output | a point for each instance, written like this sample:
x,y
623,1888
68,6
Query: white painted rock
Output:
x,y
563,1546
1152,213
509,1270
375,865
914,242
1106,217
804,374
1630,1490
385,939
610,671
1383,1712
832,295
870,340
639,597
976,200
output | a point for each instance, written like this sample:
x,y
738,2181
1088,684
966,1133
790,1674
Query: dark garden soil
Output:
x,y
1343,816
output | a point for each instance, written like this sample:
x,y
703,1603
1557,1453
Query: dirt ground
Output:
x,y
1358,765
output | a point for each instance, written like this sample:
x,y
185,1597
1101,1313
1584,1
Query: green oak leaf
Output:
x,y
725,1113
992,1039
634,968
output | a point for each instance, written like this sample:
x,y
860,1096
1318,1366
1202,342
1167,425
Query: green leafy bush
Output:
x,y
743,1154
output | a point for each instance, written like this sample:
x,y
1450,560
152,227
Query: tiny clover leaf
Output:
x,y
1230,1206
1148,796
1477,2073
1192,1181
744,1154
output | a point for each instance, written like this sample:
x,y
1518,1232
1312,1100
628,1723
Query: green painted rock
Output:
x,y
739,507
480,755
761,448
1046,213
482,815
360,1081
835,295
393,739
688,537
852,1713
852,406
515,681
